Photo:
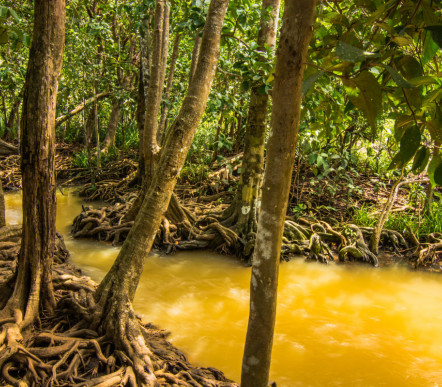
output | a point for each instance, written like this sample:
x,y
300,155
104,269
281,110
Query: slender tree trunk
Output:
x,y
296,32
90,127
96,130
79,108
157,73
377,230
114,118
151,148
143,88
13,115
195,54
33,287
243,213
430,189
165,105
117,290
2,207
218,131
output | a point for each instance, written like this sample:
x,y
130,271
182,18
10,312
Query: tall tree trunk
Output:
x,y
143,87
296,32
218,131
195,54
33,287
117,290
114,118
430,189
151,148
13,115
157,73
2,207
90,127
243,214
165,105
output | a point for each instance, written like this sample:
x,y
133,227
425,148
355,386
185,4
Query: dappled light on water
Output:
x,y
336,326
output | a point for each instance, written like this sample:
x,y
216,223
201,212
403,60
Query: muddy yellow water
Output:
x,y
336,326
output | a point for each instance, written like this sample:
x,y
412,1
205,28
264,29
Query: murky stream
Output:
x,y
336,326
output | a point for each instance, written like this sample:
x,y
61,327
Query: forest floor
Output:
x,y
330,202
319,215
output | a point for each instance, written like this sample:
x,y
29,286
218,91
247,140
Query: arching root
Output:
x,y
432,253
389,238
319,251
66,351
358,249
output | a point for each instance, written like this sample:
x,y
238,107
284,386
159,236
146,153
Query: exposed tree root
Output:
x,y
431,253
75,347
357,249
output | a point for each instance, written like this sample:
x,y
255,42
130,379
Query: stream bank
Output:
x,y
336,325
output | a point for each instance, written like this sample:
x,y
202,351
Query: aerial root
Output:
x,y
105,223
318,249
432,253
357,248
295,232
231,240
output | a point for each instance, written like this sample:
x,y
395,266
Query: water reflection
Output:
x,y
336,326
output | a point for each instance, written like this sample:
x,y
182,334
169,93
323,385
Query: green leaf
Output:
x,y
436,33
432,96
402,40
424,80
435,163
351,53
438,175
434,127
310,80
395,163
4,35
14,15
410,143
420,160
397,78
409,67
430,48
401,123
366,94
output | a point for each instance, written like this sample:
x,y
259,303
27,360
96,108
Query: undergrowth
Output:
x,y
420,223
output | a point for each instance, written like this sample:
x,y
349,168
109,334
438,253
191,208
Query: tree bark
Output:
x,y
143,87
157,73
195,54
33,286
243,214
2,207
165,105
13,115
296,32
117,290
114,118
